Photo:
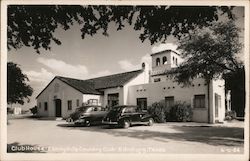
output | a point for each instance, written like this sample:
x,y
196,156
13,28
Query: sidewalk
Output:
x,y
233,123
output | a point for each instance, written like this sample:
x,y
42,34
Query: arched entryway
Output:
x,y
58,107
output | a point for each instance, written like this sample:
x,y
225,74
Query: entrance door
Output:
x,y
142,103
58,103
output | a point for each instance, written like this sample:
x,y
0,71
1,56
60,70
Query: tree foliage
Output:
x,y
209,52
34,26
33,110
235,81
17,87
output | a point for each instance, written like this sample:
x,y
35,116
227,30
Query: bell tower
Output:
x,y
162,62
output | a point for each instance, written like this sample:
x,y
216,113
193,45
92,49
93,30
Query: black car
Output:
x,y
125,116
88,115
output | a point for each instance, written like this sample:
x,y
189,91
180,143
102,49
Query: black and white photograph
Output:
x,y
125,80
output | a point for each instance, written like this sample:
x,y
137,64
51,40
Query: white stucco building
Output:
x,y
141,87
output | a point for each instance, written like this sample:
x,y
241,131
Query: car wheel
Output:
x,y
150,122
87,123
125,124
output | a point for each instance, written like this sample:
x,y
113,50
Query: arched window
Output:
x,y
176,61
173,60
158,61
164,60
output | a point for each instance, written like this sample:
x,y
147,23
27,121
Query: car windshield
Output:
x,y
129,110
116,109
83,109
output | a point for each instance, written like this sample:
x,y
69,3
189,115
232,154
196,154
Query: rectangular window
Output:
x,y
40,105
157,79
217,104
69,104
142,103
199,101
93,102
113,99
45,106
77,103
169,101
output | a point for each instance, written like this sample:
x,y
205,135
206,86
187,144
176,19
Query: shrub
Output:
x,y
230,115
33,110
157,110
180,112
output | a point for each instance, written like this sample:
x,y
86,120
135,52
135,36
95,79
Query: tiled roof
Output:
x,y
92,86
83,86
115,80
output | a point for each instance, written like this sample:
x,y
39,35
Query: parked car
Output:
x,y
88,115
125,116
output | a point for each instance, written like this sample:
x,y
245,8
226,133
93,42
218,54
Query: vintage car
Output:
x,y
88,115
125,116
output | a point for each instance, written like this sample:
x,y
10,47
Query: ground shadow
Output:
x,y
25,148
216,136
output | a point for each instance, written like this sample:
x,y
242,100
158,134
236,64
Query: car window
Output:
x,y
89,109
97,108
129,110
83,109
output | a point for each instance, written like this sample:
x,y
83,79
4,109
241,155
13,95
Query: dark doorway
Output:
x,y
142,103
58,104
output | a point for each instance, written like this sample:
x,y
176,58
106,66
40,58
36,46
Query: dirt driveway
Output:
x,y
32,135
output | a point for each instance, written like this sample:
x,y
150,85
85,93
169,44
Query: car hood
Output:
x,y
75,115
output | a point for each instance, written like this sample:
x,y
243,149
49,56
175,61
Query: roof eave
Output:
x,y
164,51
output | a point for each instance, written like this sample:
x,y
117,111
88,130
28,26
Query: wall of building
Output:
x,y
113,91
17,110
155,92
218,87
141,78
58,90
87,97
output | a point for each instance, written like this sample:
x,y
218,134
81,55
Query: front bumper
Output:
x,y
69,120
78,121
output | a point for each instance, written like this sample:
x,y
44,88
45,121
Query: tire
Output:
x,y
87,124
150,122
125,124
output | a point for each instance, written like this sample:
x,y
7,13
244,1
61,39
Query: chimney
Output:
x,y
145,68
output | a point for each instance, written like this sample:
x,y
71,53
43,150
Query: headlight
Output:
x,y
81,116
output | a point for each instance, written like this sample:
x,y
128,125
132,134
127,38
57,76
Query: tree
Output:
x,y
209,52
17,87
34,26
33,110
235,81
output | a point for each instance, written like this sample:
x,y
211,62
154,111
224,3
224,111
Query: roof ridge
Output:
x,y
159,52
99,77
70,78
114,74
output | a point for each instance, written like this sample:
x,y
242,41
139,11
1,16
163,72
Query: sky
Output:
x,y
87,58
